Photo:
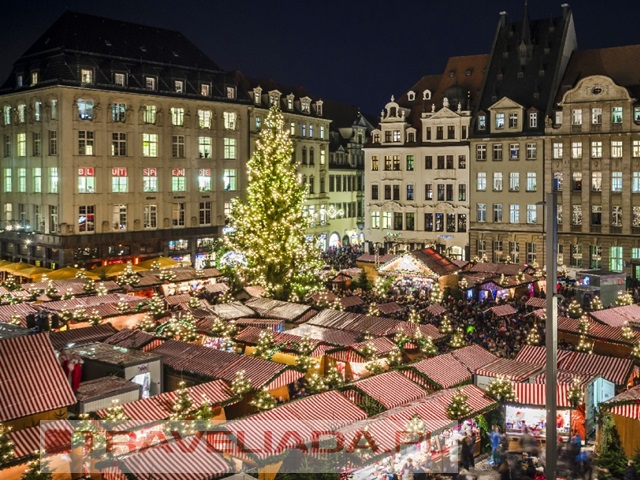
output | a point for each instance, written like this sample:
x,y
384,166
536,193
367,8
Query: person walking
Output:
x,y
494,439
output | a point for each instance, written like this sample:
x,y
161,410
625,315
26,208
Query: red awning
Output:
x,y
390,389
535,394
444,370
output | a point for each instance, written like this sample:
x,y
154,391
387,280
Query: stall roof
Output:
x,y
503,310
328,335
535,394
270,308
103,387
598,331
442,371
231,311
389,308
371,258
353,353
56,435
436,309
113,355
251,335
615,317
271,323
81,336
500,268
627,404
354,322
389,389
473,356
536,302
33,386
130,338
511,369
22,309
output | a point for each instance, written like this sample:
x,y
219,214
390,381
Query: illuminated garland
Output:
x,y
204,411
304,362
626,331
624,298
115,412
167,275
574,310
181,327
457,339
263,400
501,389
596,304
268,231
7,447
533,337
458,408
445,326
376,365
240,385
574,394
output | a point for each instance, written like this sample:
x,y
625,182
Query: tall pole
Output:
x,y
551,337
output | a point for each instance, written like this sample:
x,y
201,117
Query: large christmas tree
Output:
x,y
269,227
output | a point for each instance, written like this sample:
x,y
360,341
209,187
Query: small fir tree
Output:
x,y
533,337
268,230
445,325
15,318
584,345
156,306
574,394
147,324
596,304
194,302
635,352
68,294
415,426
428,347
7,447
240,385
94,317
316,383
435,296
115,413
334,378
128,277
394,358
182,403
51,291
584,325
373,310
204,411
89,286
101,289
401,338
574,310
263,400
375,365
10,283
626,331
610,452
501,390
458,408
122,306
457,339
266,345
624,298
37,469
414,316
368,350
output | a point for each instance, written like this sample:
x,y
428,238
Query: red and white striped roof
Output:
x,y
351,301
537,355
390,389
535,394
31,379
536,302
187,459
510,369
426,329
353,353
443,371
328,335
567,377
388,308
503,310
129,338
615,317
627,404
50,436
473,356
597,331
436,309
81,336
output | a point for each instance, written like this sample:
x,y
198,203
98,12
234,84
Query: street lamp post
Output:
x,y
551,339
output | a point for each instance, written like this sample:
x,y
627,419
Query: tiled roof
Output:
x,y
442,371
81,336
437,263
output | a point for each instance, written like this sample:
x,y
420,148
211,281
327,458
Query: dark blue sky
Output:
x,y
359,52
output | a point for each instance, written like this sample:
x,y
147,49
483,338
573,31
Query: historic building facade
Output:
x,y
507,173
593,159
416,166
118,147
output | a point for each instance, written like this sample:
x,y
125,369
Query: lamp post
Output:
x,y
551,339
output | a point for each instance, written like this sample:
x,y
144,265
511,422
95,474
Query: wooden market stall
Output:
x,y
625,410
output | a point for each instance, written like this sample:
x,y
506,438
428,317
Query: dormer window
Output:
x,y
482,122
257,96
34,78
205,89
558,117
273,99
533,119
19,80
231,93
86,75
290,102
411,96
499,121
513,120
396,135
305,107
319,107
426,95
150,83
178,86
118,79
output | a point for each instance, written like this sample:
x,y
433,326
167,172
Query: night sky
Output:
x,y
359,52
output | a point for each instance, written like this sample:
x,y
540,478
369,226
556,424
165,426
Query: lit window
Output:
x,y
178,86
531,182
86,180
177,116
22,180
37,111
6,114
8,180
596,181
514,182
149,145
499,121
22,113
230,119
375,219
204,179
481,184
86,218
149,180
149,113
229,148
229,179
37,180
21,144
119,79
178,180
118,112
86,75
119,180
514,213
576,116
576,149
596,149
231,92
322,132
85,142
53,142
557,150
119,217
119,144
150,216
616,261
596,116
616,149
150,83
616,181
177,146
635,182
205,90
34,78
85,109
204,147
54,109
178,214
497,181
482,122
532,214
53,180
616,114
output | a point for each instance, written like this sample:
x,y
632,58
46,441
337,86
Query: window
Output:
x,y
54,109
497,213
482,248
118,79
513,120
481,181
636,149
303,130
636,217
22,180
576,255
531,182
616,114
205,213
53,142
514,181
258,123
387,191
119,180
576,178
635,182
616,263
37,111
576,215
396,192
428,191
53,180
86,75
558,181
7,146
596,116
85,109
616,216
462,192
37,180
6,115
514,251
439,222
410,192
85,142
149,180
21,144
499,121
428,162
481,212
204,118
576,116
428,222
230,120
532,151
386,220
150,83
533,120
616,181
321,132
149,113
177,146
451,132
532,214
531,253
204,147
497,151
410,163
53,218
36,144
178,182
8,180
497,250
497,181
229,179
178,86
311,130
86,218
22,113
205,91
595,256
374,191
596,215
439,133
149,145
482,122
150,220
557,150
409,221
576,149
229,148
177,214
481,152
375,219
440,162
449,192
514,151
374,163
177,116
204,179
616,149
119,144
119,217
118,112
396,163
323,157
514,213
462,162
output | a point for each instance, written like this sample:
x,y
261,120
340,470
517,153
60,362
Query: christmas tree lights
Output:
x,y
368,350
458,408
316,383
115,412
596,304
415,426
445,325
574,394
574,310
626,331
240,385
147,324
7,447
15,318
584,325
635,352
414,316
268,230
182,403
436,294
10,283
89,286
624,298
457,339
395,357
263,400
51,291
533,337
37,469
373,310
334,379
265,348
128,277
101,289
501,389
584,345
122,306
428,347
375,365
401,338
94,317
156,306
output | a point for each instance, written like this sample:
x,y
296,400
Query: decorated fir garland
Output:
x,y
626,331
204,411
115,413
458,408
7,447
445,325
240,385
501,389
596,304
304,362
182,403
624,298
574,310
263,400
533,337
